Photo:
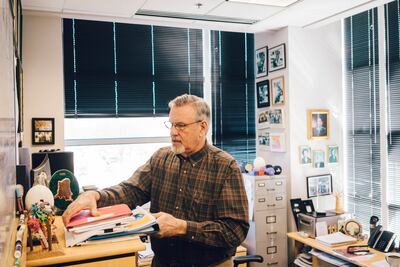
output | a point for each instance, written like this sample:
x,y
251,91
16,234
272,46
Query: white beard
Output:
x,y
178,149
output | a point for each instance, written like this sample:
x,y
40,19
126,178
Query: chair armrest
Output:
x,y
246,259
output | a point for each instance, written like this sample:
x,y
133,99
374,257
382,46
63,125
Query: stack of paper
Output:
x,y
336,239
115,223
146,256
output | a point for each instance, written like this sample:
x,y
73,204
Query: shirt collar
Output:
x,y
196,156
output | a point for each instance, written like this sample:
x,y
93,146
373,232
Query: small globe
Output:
x,y
258,163
37,193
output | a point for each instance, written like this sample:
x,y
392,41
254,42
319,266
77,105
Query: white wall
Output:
x,y
313,80
43,76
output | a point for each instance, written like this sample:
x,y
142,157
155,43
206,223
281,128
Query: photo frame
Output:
x,y
278,142
332,154
264,140
278,91
318,124
318,158
263,98
319,185
305,155
276,58
261,62
43,131
263,119
276,118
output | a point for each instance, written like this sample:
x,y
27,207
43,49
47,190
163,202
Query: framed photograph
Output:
x,y
318,124
318,158
43,131
305,154
261,62
264,140
276,118
263,119
333,154
278,91
319,185
263,94
277,141
276,58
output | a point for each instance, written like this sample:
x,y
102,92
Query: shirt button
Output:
x,y
184,171
180,190
192,236
194,165
177,207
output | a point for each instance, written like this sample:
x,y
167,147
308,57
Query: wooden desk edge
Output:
x,y
10,258
315,244
90,251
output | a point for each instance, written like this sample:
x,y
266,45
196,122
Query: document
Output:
x,y
336,239
138,221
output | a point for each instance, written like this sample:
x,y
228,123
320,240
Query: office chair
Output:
x,y
247,259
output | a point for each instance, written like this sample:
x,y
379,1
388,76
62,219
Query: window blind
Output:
x,y
233,92
115,69
393,92
363,183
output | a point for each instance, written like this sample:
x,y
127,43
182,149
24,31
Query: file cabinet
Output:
x,y
268,219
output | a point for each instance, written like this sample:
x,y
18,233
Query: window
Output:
x,y
365,163
362,137
392,39
119,79
233,103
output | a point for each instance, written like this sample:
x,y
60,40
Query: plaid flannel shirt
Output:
x,y
206,189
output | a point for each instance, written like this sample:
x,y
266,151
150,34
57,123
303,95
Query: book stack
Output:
x,y
115,223
336,239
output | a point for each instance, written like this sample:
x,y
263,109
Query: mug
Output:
x,y
393,259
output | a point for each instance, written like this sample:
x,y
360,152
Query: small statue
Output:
x,y
64,190
339,208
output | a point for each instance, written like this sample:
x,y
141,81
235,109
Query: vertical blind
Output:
x,y
233,92
393,92
115,69
363,183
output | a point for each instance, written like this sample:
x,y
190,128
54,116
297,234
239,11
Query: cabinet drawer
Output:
x,y
269,222
264,187
270,201
273,253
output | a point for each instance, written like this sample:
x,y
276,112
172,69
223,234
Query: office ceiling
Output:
x,y
213,14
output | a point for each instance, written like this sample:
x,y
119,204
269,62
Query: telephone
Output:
x,y
381,240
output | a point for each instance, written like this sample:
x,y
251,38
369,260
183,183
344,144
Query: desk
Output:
x,y
378,256
110,254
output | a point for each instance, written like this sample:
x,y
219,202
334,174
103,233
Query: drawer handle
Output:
x,y
272,205
272,263
278,183
279,198
261,185
261,200
272,189
272,233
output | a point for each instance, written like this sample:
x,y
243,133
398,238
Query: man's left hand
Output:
x,y
169,225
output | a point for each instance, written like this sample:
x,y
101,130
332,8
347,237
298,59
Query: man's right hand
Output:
x,y
87,200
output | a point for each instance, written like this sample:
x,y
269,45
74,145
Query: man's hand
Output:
x,y
169,225
86,200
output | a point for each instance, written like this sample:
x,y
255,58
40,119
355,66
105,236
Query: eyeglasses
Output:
x,y
179,126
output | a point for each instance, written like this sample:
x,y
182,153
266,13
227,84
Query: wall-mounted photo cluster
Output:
x,y
318,157
271,99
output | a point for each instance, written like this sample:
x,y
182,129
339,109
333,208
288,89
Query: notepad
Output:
x,y
336,239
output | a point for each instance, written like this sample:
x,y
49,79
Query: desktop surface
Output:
x,y
359,261
123,251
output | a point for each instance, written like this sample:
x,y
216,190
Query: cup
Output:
x,y
393,259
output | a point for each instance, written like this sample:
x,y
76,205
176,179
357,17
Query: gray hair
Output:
x,y
200,105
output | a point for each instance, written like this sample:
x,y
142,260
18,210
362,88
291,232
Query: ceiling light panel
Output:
x,y
182,6
279,3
